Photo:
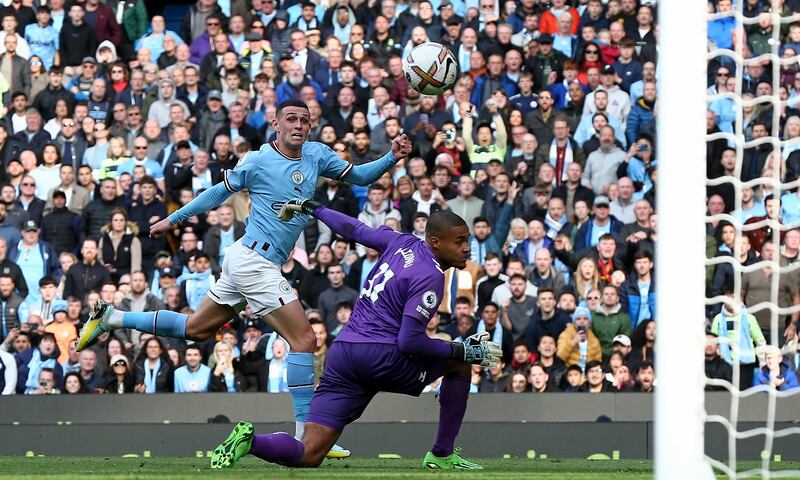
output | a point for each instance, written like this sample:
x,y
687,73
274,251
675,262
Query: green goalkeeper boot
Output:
x,y
236,446
450,462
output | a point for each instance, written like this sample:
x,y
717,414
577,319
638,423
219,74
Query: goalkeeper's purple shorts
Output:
x,y
355,372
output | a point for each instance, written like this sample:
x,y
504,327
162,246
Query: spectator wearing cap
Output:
x,y
120,380
578,344
197,281
619,102
610,320
32,361
252,362
165,278
546,63
194,376
35,258
45,101
602,223
88,275
622,345
253,53
211,117
98,212
61,227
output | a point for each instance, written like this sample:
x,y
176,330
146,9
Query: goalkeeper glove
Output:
x,y
477,349
302,206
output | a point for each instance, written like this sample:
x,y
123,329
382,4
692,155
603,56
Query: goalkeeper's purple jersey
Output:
x,y
406,281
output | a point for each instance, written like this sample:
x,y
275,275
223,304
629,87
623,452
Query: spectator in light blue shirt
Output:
x,y
42,38
192,377
151,167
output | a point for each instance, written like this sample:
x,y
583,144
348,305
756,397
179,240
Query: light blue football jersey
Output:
x,y
273,178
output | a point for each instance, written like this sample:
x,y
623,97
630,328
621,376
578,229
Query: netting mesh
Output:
x,y
776,275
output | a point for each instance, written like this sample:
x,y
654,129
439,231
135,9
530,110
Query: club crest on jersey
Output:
x,y
429,299
297,177
285,287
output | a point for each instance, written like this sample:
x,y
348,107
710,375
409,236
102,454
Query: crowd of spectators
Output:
x,y
546,146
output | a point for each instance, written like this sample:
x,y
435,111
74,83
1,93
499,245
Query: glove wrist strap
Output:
x,y
457,352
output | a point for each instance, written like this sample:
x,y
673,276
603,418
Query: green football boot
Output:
x,y
96,325
450,462
236,446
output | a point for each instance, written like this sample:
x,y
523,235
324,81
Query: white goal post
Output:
x,y
681,143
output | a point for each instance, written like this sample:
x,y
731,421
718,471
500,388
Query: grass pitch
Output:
x,y
68,468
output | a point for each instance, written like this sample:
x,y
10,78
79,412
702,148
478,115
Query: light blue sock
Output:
x,y
300,377
162,322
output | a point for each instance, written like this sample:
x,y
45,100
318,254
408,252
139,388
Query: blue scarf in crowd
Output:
x,y
35,366
747,353
150,375
497,337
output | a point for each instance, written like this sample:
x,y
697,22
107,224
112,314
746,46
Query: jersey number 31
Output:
x,y
377,283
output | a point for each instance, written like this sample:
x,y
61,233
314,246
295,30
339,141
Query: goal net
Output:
x,y
745,81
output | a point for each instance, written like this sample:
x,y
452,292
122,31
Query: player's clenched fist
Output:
x,y
477,349
401,147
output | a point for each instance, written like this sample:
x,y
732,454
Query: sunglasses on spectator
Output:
x,y
120,363
28,184
723,74
69,124
137,147
151,71
592,52
36,63
99,128
256,26
212,24
134,114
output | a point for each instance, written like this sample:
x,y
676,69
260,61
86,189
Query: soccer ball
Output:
x,y
431,68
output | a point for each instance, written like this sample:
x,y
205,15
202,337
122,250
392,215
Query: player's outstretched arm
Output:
x,y
211,198
344,225
370,172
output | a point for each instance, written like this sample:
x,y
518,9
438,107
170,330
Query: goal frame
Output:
x,y
681,147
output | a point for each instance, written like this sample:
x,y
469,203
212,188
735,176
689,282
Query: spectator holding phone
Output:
x,y
578,344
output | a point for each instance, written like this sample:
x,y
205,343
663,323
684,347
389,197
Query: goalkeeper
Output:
x,y
384,346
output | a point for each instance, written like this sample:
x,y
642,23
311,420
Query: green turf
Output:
x,y
68,468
